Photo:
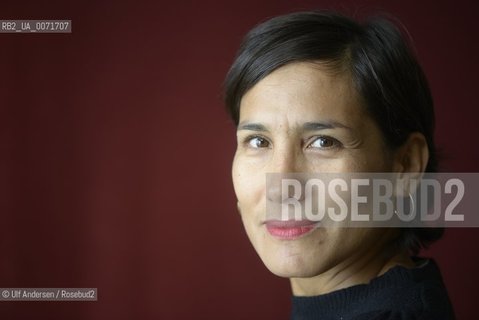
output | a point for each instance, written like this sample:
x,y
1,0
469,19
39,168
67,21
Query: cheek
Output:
x,y
236,174
366,160
248,183
348,162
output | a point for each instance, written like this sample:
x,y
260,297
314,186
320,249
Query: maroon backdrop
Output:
x,y
115,155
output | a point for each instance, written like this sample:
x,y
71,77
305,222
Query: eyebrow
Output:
x,y
313,126
251,126
307,126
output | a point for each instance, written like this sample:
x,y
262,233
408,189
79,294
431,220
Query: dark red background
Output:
x,y
116,151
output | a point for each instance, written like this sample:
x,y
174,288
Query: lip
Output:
x,y
290,229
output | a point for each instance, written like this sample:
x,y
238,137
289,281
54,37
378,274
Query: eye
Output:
x,y
257,142
324,143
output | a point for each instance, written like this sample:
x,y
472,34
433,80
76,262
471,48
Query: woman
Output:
x,y
317,92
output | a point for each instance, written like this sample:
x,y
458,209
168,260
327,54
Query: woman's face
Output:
x,y
304,118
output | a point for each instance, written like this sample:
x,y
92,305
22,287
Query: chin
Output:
x,y
292,267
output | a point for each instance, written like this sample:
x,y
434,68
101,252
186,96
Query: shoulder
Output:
x,y
418,294
399,294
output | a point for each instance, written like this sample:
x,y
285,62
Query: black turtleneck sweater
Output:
x,y
399,294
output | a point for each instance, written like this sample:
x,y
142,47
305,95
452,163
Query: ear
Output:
x,y
410,161
412,156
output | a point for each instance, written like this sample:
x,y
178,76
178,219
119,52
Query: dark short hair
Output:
x,y
386,74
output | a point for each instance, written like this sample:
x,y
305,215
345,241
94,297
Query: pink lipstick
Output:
x,y
290,229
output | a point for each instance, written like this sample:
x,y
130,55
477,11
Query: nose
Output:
x,y
286,158
284,177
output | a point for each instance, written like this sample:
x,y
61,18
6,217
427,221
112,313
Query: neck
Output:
x,y
358,269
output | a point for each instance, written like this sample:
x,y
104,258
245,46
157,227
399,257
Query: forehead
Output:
x,y
300,92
